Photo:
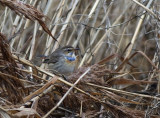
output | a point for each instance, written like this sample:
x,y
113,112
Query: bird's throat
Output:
x,y
70,58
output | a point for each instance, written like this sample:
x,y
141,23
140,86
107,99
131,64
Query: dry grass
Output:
x,y
118,73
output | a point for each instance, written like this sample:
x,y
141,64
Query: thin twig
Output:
x,y
65,95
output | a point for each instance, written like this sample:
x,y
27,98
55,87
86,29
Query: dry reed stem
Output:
x,y
136,31
124,92
37,92
65,23
146,7
65,95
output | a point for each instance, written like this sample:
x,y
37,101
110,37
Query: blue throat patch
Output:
x,y
70,58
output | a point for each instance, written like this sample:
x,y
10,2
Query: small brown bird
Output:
x,y
63,60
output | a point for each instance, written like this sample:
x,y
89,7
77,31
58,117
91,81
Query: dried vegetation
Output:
x,y
118,71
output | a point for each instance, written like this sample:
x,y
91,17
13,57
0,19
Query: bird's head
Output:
x,y
70,53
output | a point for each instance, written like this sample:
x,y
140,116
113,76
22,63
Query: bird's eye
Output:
x,y
69,50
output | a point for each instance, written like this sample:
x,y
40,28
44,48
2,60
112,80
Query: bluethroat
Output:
x,y
63,60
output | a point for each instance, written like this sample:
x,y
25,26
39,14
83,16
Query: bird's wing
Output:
x,y
53,58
